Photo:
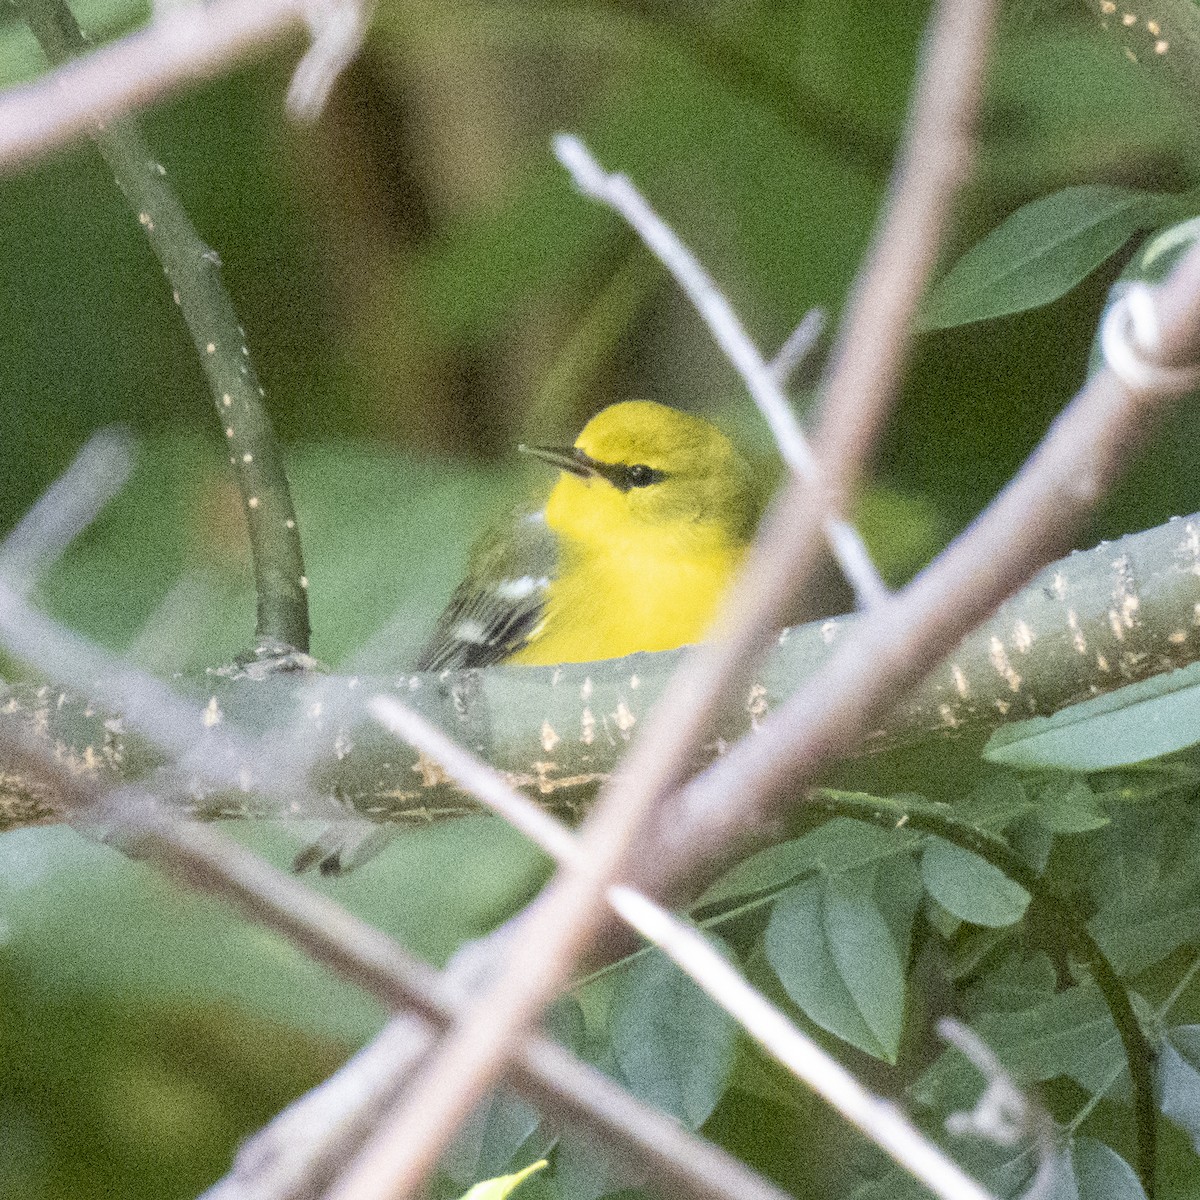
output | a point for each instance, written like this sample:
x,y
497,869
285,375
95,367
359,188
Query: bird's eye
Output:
x,y
640,475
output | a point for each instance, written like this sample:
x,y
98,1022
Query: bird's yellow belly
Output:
x,y
622,604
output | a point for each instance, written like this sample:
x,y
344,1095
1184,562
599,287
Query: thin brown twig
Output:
x,y
560,926
333,937
888,652
871,350
763,381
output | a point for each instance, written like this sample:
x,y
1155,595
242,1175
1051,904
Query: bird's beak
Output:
x,y
566,458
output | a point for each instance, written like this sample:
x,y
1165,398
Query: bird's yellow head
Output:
x,y
640,471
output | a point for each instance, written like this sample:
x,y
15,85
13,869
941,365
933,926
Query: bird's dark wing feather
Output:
x,y
491,615
497,608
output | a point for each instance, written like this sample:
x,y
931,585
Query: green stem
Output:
x,y
193,271
1139,1053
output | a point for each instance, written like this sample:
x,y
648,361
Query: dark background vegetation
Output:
x,y
422,289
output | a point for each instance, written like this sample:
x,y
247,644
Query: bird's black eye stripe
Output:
x,y
624,478
638,476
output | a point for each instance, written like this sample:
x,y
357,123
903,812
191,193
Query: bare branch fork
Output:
x,y
203,859
690,827
765,1022
549,1075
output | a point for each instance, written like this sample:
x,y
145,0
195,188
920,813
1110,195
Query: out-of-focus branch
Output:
x,y
193,271
196,742
184,45
769,1026
889,652
338,28
564,922
882,1122
71,503
1003,1113
299,1154
799,347
549,1075
871,350
557,732
763,382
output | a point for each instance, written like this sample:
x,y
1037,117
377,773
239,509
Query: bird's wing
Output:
x,y
492,614
496,610
342,846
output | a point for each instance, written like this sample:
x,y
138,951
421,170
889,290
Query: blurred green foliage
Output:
x,y
421,289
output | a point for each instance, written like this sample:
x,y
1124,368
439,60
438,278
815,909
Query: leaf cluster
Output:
x,y
866,931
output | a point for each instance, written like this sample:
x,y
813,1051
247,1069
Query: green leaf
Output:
x,y
970,888
1006,1171
672,1044
504,1125
836,957
1139,931
1018,982
504,1186
584,1171
1145,720
1179,1079
898,894
1102,1174
1083,1170
837,846
1042,251
1067,805
490,1138
996,802
1068,1033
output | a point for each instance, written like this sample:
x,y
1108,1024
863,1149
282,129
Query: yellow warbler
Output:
x,y
640,537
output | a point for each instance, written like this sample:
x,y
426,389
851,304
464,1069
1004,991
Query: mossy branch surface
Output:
x,y
888,813
1088,624
193,271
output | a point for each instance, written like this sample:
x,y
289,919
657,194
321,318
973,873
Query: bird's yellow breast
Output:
x,y
635,594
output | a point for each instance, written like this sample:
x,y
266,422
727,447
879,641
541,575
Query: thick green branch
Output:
x,y
940,820
1088,624
193,272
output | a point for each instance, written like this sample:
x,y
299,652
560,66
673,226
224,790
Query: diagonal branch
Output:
x,y
766,1023
545,1072
563,923
888,653
186,44
1086,626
